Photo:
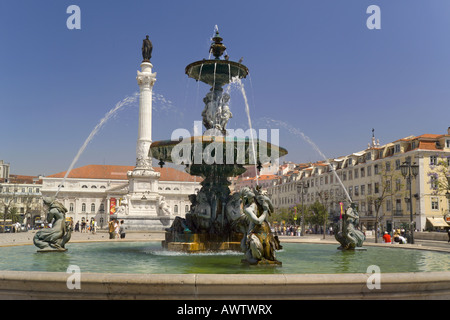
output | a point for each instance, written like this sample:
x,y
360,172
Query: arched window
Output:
x,y
175,209
83,207
84,186
92,207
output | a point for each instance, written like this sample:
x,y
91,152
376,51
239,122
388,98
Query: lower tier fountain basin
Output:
x,y
143,270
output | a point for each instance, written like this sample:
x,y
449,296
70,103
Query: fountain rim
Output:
x,y
216,61
206,140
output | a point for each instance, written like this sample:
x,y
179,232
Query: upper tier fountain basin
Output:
x,y
216,72
235,150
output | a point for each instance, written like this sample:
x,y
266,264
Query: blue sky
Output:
x,y
314,66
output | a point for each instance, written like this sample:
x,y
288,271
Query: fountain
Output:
x,y
219,220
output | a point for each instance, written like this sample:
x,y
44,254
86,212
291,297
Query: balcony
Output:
x,y
397,213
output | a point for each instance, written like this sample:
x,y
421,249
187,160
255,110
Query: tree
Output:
x,y
317,214
440,177
383,189
440,180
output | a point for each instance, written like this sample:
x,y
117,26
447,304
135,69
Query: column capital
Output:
x,y
145,77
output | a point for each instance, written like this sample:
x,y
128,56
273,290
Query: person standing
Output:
x,y
386,237
111,229
122,230
116,229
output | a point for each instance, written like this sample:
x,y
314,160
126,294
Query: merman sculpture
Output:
x,y
54,238
349,237
259,244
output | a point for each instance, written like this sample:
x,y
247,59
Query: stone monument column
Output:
x,y
145,79
142,209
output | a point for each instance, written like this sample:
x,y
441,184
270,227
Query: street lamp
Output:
x,y
302,188
410,170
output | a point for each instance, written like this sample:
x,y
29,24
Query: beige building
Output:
x,y
23,195
372,179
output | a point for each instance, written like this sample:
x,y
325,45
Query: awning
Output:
x,y
438,222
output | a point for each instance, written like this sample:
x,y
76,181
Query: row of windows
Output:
x,y
21,190
351,174
102,208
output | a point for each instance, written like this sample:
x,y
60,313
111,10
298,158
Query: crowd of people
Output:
x,y
86,226
293,230
398,236
116,228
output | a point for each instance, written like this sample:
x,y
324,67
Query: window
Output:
x,y
83,207
388,205
377,187
434,182
92,207
447,143
356,191
398,185
375,169
186,208
397,164
363,190
369,171
397,148
434,203
175,209
71,207
84,186
369,188
356,173
388,166
433,160
363,173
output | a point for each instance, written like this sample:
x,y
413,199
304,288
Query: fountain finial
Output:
x,y
217,48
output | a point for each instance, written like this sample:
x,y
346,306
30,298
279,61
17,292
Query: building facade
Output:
x,y
22,196
372,179
98,191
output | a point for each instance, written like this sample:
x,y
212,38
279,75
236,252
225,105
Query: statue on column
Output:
x,y
147,49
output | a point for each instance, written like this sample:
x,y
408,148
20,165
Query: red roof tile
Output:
x,y
95,171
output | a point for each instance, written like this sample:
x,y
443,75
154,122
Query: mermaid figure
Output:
x,y
55,238
350,237
259,244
